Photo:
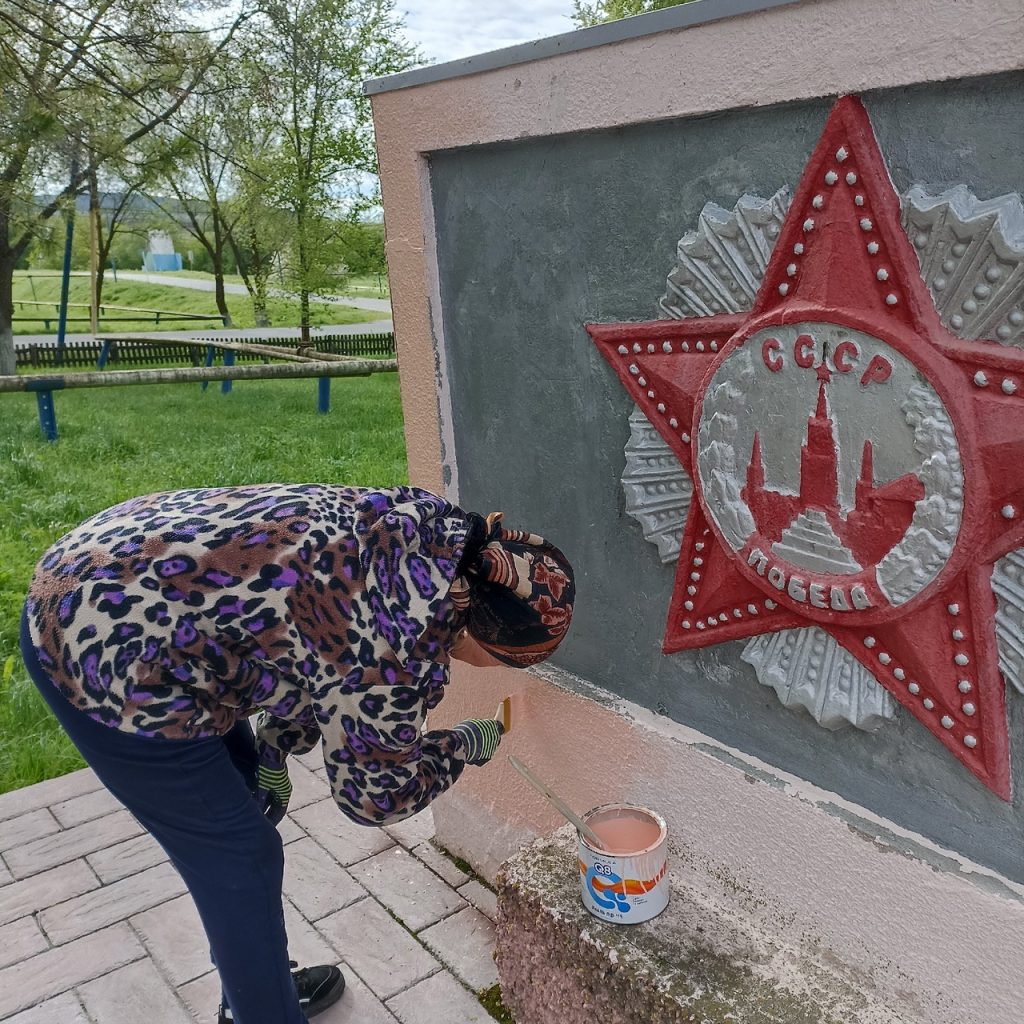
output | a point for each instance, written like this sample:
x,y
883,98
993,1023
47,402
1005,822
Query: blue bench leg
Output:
x,y
229,360
209,362
323,395
47,414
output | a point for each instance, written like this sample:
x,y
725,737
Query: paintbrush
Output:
x,y
560,805
504,715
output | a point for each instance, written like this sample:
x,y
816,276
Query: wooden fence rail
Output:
x,y
148,353
356,360
182,375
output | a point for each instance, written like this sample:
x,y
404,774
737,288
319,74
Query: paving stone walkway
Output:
x,y
96,927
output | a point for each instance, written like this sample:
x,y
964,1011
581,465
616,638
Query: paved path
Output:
x,y
96,928
204,285
368,327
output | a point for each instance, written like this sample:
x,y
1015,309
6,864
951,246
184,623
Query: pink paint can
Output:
x,y
626,883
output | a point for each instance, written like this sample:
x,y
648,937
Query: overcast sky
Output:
x,y
448,29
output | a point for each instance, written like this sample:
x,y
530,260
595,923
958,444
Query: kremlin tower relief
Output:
x,y
810,529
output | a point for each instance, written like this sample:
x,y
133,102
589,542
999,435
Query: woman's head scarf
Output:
x,y
516,591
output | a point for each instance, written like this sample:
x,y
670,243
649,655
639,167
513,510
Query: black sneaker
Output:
x,y
318,988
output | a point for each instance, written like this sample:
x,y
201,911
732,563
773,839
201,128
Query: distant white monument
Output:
x,y
160,254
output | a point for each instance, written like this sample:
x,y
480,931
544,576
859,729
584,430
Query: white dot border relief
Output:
x,y
832,180
885,667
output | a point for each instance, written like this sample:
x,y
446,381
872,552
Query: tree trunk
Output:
x,y
98,287
106,242
218,285
259,303
95,266
303,282
304,315
260,275
7,262
254,279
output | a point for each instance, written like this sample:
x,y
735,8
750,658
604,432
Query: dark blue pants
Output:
x,y
195,797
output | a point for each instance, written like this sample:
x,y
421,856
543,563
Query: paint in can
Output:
x,y
628,882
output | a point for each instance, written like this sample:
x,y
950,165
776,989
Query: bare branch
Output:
x,y
155,120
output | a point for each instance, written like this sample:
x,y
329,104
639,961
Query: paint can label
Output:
x,y
621,900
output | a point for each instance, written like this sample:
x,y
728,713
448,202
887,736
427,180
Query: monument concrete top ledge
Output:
x,y
685,15
695,58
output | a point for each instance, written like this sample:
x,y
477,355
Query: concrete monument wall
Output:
x,y
538,238
527,197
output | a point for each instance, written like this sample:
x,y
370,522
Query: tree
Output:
x,y
81,82
259,232
600,11
308,68
259,237
115,208
362,247
197,171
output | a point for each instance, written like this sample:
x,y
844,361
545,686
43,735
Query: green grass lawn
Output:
x,y
198,275
369,287
115,443
283,312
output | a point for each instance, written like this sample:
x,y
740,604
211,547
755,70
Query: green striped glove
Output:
x,y
480,738
273,787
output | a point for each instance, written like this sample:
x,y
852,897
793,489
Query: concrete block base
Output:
x,y
695,963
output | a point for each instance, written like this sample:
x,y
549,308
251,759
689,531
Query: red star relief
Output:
x,y
842,263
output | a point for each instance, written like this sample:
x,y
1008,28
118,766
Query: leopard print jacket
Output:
x,y
322,609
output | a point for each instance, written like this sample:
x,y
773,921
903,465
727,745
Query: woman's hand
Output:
x,y
480,738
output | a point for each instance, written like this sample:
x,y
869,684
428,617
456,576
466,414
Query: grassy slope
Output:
x,y
283,312
115,444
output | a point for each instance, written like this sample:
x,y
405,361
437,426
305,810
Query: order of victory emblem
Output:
x,y
855,465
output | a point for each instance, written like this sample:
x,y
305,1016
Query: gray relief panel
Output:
x,y
537,238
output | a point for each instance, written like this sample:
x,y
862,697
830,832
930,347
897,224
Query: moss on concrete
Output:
x,y
492,1002
695,964
463,865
